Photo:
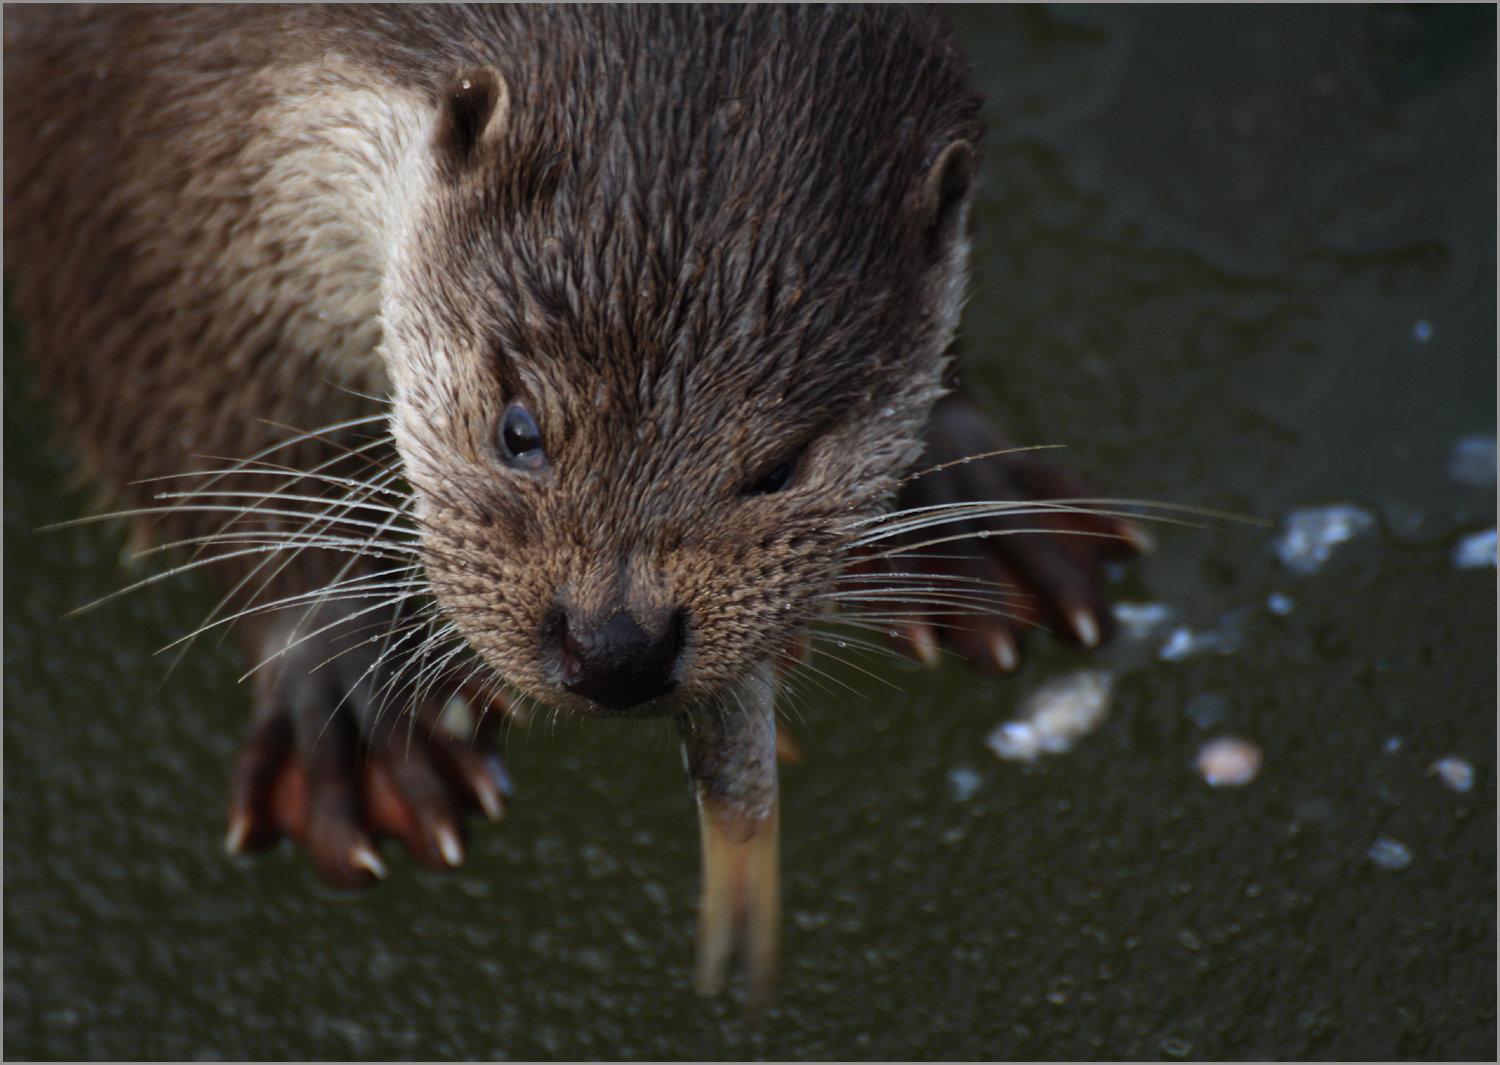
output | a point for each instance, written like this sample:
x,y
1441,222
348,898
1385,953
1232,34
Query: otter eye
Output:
x,y
775,480
520,439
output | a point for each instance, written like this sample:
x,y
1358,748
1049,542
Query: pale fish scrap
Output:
x,y
1456,773
1183,642
1055,717
1389,854
1476,551
1473,460
1139,620
1228,762
1311,533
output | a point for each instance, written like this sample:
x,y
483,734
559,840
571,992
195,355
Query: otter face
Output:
x,y
641,400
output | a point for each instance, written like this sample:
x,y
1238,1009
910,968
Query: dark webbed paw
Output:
x,y
979,581
346,750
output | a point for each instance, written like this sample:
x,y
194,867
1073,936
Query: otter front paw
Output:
x,y
347,749
978,576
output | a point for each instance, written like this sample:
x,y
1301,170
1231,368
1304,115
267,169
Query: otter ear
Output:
x,y
945,191
475,112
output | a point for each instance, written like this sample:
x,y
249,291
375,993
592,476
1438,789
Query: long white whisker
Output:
x,y
316,597
813,673
844,642
985,534
300,437
1018,449
279,540
911,518
328,502
303,637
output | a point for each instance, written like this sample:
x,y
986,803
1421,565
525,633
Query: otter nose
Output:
x,y
618,665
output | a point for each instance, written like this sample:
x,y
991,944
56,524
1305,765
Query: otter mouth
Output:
x,y
620,666
670,705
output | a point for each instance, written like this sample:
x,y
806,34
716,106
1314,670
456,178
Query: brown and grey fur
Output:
x,y
231,221
696,244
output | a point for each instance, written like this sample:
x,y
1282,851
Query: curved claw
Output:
x,y
253,820
313,771
977,582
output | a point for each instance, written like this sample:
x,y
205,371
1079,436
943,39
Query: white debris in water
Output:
x,y
1055,717
1476,551
1457,773
1473,460
964,783
1389,854
1139,620
1183,642
1228,762
1312,533
1280,604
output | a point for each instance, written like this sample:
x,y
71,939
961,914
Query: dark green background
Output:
x,y
1202,240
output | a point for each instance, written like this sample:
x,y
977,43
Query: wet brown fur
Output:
x,y
694,242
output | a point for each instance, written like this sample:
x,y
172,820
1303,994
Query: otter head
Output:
x,y
657,345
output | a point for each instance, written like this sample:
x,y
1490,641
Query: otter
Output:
x,y
497,356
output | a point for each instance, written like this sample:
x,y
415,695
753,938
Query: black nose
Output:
x,y
618,665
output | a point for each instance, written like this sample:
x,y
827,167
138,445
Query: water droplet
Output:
x,y
1279,604
1457,773
1139,620
1422,330
964,783
1389,854
1473,460
1476,551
